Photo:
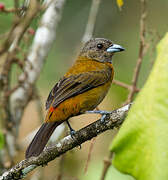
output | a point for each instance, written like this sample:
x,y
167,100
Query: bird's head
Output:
x,y
100,49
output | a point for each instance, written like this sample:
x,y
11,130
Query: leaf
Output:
x,y
141,146
1,140
120,3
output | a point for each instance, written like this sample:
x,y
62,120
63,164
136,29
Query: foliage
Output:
x,y
141,145
1,140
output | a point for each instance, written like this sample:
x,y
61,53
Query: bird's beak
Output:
x,y
115,48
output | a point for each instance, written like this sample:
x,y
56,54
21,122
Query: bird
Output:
x,y
80,90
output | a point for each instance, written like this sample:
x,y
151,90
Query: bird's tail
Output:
x,y
41,138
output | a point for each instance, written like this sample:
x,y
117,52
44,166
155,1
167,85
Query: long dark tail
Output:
x,y
41,138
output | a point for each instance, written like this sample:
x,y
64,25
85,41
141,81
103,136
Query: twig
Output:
x,y
142,49
19,28
62,158
11,10
90,148
39,104
9,92
46,4
132,88
61,163
89,155
124,85
14,37
107,163
13,106
9,49
18,62
115,119
16,4
36,59
91,21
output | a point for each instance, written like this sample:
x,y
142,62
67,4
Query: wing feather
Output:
x,y
76,84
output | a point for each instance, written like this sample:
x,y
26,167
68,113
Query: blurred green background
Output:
x,y
123,28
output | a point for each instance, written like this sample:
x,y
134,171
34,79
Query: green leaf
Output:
x,y
1,140
141,146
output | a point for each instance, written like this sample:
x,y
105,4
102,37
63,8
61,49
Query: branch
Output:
x,y
91,21
115,119
132,88
44,38
9,50
107,164
142,50
19,28
22,94
89,154
10,10
124,85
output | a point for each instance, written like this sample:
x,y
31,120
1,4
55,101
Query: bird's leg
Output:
x,y
72,131
103,114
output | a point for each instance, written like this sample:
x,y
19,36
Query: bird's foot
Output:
x,y
72,132
103,114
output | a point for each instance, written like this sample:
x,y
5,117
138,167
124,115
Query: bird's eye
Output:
x,y
100,46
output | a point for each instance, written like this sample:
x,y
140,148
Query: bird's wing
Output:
x,y
76,84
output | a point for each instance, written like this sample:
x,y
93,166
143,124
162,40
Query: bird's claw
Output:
x,y
72,133
103,114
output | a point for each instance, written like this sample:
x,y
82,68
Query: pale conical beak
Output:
x,y
115,48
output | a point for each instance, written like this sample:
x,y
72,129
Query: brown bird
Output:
x,y
80,90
